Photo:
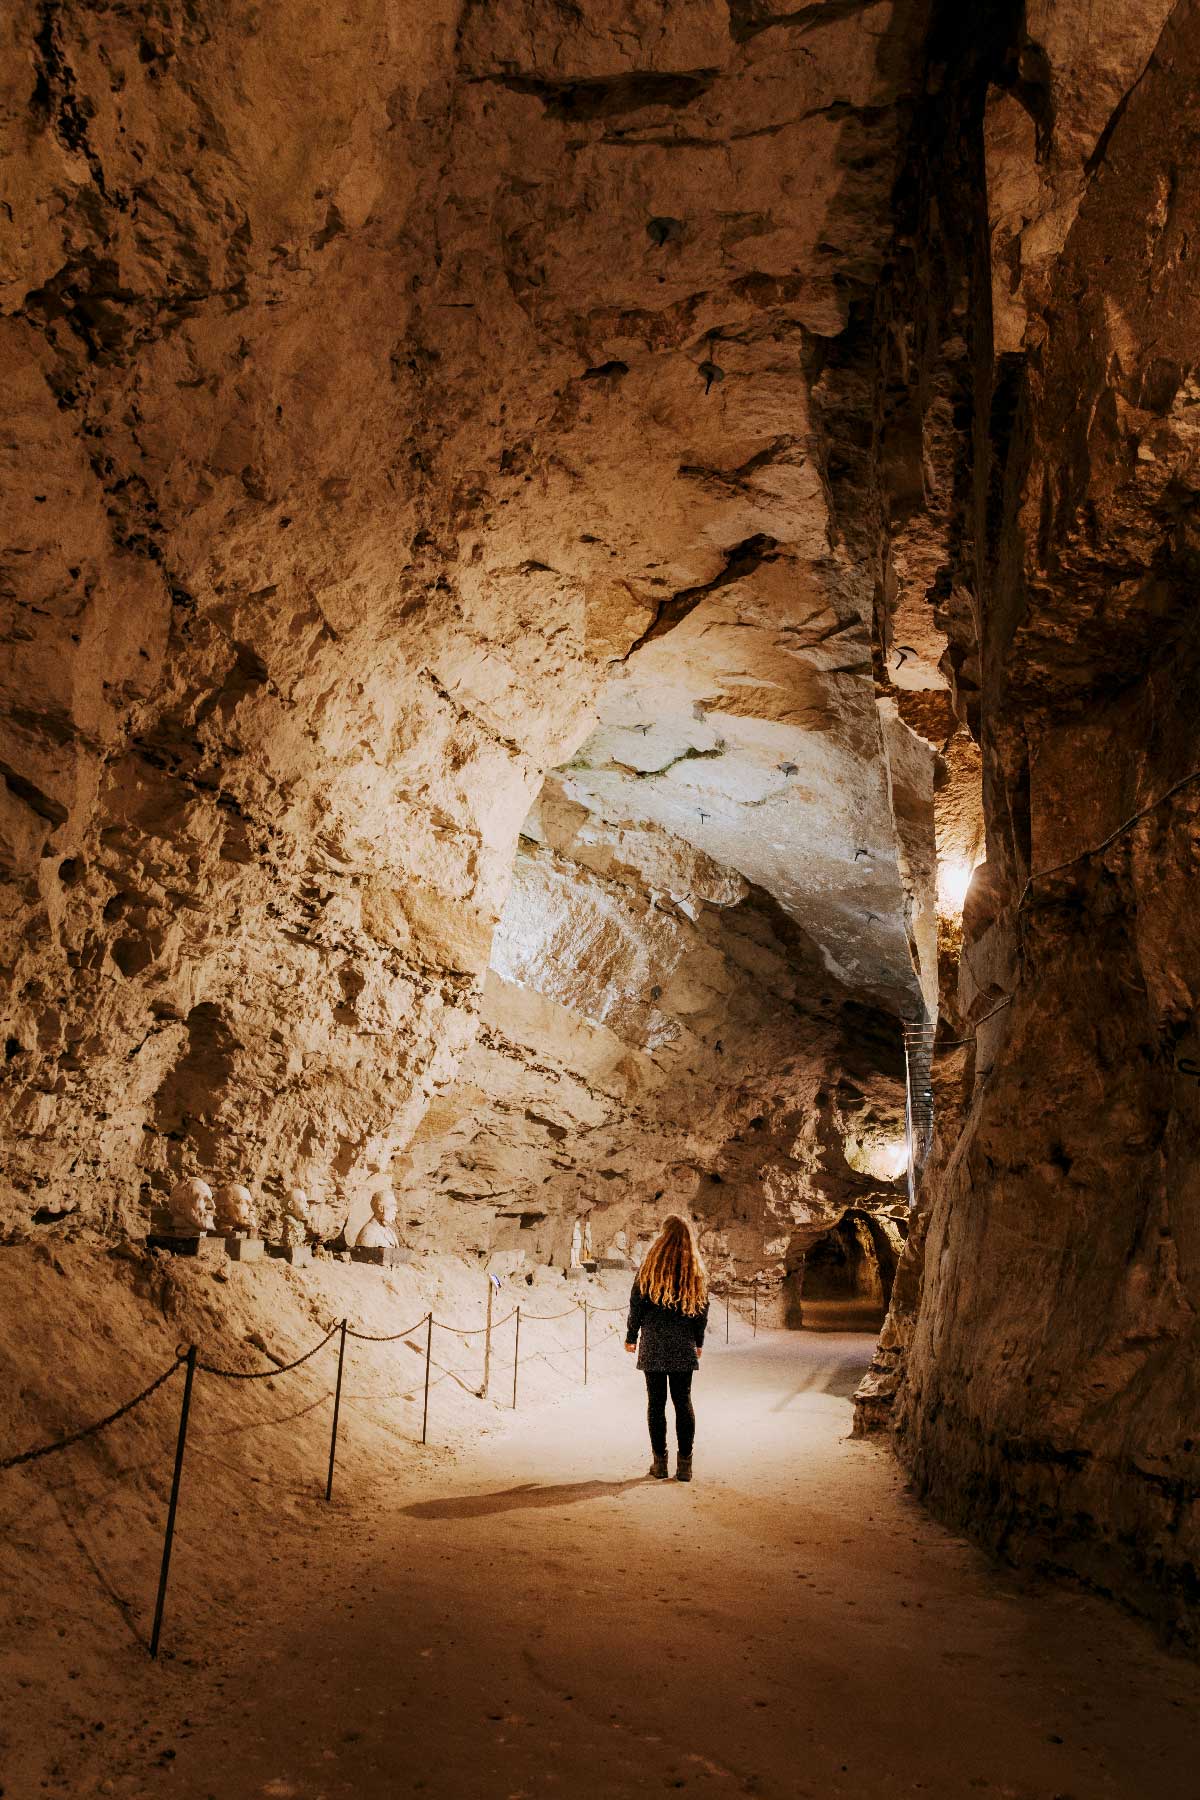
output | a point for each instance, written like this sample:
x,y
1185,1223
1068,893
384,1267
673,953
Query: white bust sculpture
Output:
x,y
235,1207
379,1232
294,1229
192,1205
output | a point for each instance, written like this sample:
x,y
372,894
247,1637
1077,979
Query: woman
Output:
x,y
668,1311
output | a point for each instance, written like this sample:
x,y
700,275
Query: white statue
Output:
x,y
581,1242
192,1206
379,1232
295,1226
235,1207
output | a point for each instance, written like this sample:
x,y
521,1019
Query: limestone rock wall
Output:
x,y
1050,1296
375,381
408,403
656,1035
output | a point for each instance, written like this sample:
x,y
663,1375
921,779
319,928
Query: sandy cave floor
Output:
x,y
517,1611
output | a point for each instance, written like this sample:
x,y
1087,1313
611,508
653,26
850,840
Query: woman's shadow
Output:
x,y
518,1499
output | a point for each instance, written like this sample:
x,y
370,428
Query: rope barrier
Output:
x,y
539,1318
1058,869
1084,855
86,1431
187,1358
956,1043
390,1337
266,1374
479,1330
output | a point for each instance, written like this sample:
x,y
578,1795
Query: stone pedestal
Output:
x,y
581,1271
299,1255
382,1255
613,1262
241,1247
204,1248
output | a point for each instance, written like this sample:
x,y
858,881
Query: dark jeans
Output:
x,y
656,1410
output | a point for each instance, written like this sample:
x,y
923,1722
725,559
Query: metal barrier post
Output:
x,y
337,1407
756,1306
487,1343
516,1357
585,1343
726,1315
428,1355
180,1446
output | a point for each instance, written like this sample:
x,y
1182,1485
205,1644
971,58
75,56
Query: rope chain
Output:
x,y
1098,849
266,1374
367,1337
389,1337
87,1431
1058,869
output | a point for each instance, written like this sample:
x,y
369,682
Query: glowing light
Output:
x,y
892,1159
882,1158
953,880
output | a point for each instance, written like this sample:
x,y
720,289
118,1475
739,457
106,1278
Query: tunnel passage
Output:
x,y
531,748
845,1278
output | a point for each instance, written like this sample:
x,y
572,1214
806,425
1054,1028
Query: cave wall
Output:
x,y
371,386
656,1035
360,474
1045,1316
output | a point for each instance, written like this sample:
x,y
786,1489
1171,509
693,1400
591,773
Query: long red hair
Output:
x,y
672,1273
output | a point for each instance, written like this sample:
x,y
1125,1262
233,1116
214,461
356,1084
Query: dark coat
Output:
x,y
667,1339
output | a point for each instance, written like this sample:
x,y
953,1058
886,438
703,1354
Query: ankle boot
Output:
x,y
683,1469
658,1466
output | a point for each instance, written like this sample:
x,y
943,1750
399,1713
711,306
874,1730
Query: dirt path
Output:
x,y
529,1616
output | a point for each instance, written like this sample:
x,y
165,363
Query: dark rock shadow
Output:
x,y
519,1499
840,1380
844,1382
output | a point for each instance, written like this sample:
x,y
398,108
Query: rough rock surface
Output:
x,y
539,546
1043,1338
343,465
657,1034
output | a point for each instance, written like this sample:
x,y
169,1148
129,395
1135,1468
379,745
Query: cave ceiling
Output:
x,y
409,514
743,717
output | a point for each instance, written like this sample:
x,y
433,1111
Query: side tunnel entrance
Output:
x,y
844,1280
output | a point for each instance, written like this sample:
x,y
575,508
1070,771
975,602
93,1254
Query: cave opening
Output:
x,y
844,1281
